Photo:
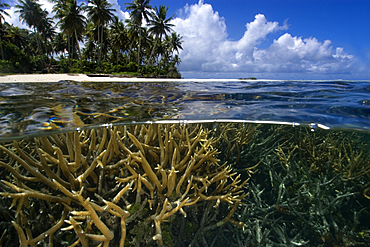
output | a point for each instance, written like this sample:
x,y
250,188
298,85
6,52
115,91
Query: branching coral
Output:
x,y
93,177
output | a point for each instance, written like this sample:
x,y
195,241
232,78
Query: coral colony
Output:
x,y
99,180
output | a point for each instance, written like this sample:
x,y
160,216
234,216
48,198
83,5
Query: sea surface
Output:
x,y
28,108
254,163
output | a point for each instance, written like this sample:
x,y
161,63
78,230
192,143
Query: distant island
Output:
x,y
97,44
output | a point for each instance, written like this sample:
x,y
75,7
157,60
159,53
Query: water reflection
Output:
x,y
31,107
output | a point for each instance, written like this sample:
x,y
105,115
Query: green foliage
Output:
x,y
16,61
148,70
6,66
63,66
249,78
132,67
111,46
88,66
118,68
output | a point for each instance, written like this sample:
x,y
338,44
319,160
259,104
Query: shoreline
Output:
x,y
22,78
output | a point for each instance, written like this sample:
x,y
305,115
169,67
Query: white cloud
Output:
x,y
14,16
203,30
208,49
119,13
294,54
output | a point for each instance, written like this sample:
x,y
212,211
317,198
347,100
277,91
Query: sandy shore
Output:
x,y
85,78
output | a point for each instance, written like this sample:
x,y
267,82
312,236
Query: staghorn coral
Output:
x,y
93,179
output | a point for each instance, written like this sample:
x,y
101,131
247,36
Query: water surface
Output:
x,y
29,108
299,148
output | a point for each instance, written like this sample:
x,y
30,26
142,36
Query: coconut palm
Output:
x,y
140,9
174,42
119,37
47,29
160,25
100,13
17,36
30,12
133,36
89,51
72,21
60,44
2,13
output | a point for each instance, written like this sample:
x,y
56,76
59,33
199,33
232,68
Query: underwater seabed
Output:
x,y
200,184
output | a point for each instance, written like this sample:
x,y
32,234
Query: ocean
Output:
x,y
193,163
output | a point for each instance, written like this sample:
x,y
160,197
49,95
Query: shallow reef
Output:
x,y
212,184
114,186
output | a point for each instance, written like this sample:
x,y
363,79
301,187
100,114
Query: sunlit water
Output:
x,y
306,141
27,108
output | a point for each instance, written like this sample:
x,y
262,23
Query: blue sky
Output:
x,y
345,22
274,39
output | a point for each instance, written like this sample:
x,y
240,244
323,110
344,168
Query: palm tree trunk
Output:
x,y
152,52
79,50
69,50
39,47
2,49
1,42
46,50
99,44
139,48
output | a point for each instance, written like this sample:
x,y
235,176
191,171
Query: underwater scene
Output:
x,y
240,163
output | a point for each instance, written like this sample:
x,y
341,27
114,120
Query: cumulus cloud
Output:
x,y
208,49
202,30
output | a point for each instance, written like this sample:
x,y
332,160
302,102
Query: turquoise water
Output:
x,y
28,108
301,147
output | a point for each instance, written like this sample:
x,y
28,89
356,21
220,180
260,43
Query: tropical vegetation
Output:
x,y
88,37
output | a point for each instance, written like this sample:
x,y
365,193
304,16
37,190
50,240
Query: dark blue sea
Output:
x,y
185,163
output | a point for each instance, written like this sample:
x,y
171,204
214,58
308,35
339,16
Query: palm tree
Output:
x,y
2,13
174,42
89,52
71,20
100,14
119,37
176,60
60,44
159,25
133,36
47,29
30,12
140,9
17,36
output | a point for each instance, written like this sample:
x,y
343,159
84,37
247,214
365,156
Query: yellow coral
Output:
x,y
92,174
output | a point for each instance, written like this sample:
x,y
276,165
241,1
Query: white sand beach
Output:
x,y
60,77
86,78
